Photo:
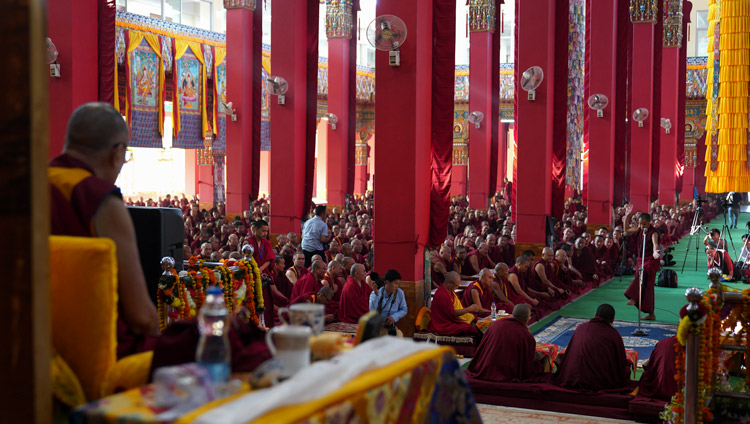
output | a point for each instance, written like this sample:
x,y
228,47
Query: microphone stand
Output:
x,y
639,331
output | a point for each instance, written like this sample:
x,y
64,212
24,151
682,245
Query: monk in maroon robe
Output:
x,y
507,351
584,262
85,202
648,259
297,270
332,279
595,357
323,296
658,380
310,282
507,295
601,256
541,276
444,314
564,276
496,254
263,254
355,296
480,293
277,293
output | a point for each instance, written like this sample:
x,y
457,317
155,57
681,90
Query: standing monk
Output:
x,y
85,202
263,255
648,260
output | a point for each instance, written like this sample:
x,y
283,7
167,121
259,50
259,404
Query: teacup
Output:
x,y
309,314
290,344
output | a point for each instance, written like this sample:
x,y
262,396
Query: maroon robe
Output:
x,y
355,300
443,319
304,298
436,277
601,254
510,293
651,268
535,282
467,268
299,272
496,254
583,260
594,359
657,380
508,255
484,262
486,297
306,284
507,352
263,253
332,307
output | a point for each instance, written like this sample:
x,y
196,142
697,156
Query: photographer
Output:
x,y
732,206
389,300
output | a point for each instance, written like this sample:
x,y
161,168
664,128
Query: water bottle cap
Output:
x,y
215,290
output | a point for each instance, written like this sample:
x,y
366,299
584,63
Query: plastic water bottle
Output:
x,y
493,309
213,347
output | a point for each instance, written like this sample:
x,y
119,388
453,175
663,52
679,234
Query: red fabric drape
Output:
x,y
352,130
586,109
560,118
494,111
517,90
256,101
443,69
686,8
106,47
620,106
313,10
655,114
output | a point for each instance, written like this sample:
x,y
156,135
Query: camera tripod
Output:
x,y
695,228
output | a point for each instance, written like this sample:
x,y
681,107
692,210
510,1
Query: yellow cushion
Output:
x,y
128,373
423,319
65,385
83,289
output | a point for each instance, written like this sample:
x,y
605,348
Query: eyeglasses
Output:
x,y
128,151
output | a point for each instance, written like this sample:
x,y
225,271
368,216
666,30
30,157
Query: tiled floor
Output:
x,y
492,414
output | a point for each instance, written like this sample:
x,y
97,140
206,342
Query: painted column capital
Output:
x,y
672,34
339,19
239,4
482,15
643,11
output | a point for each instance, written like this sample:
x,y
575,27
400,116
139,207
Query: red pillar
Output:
x,y
240,89
459,170
482,27
361,160
73,28
206,186
535,32
402,164
601,25
502,153
641,87
321,161
671,88
339,31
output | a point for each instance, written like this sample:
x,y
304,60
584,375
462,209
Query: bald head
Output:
x,y
452,278
522,260
522,312
94,128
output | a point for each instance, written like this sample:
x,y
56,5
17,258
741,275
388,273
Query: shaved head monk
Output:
x,y
310,282
448,316
297,270
508,350
517,279
333,279
85,202
505,292
355,296
322,297
657,380
595,357
480,293
649,258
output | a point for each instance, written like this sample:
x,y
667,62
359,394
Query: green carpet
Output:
x,y
668,300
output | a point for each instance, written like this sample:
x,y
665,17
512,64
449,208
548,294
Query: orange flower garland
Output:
x,y
244,267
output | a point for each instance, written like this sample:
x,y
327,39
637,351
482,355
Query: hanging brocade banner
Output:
x,y
713,93
219,192
144,92
190,120
220,100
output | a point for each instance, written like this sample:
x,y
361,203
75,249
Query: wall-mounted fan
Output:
x,y
228,109
640,115
666,124
531,79
278,86
54,67
476,118
333,120
388,33
598,102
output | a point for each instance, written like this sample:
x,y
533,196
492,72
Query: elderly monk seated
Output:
x,y
595,357
505,294
297,270
508,350
448,315
657,380
355,296
322,297
584,261
85,202
517,277
482,293
310,282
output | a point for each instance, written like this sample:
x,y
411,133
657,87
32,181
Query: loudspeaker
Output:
x,y
160,232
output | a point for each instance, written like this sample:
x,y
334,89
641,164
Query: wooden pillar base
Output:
x,y
414,293
536,247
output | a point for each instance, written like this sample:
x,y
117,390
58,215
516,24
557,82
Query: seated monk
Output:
x,y
448,316
310,283
483,257
437,268
322,297
518,279
541,275
332,278
719,258
508,350
334,248
564,276
273,295
595,357
657,380
505,293
462,265
496,254
584,262
355,296
480,293
601,256
86,203
297,270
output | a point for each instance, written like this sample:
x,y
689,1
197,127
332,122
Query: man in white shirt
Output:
x,y
314,234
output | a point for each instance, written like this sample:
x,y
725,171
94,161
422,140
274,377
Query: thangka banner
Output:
x,y
144,96
189,98
220,99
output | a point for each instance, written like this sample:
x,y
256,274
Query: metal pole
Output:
x,y
639,331
691,379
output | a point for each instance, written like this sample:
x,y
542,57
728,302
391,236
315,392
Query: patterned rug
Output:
x,y
561,330
492,414
340,327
